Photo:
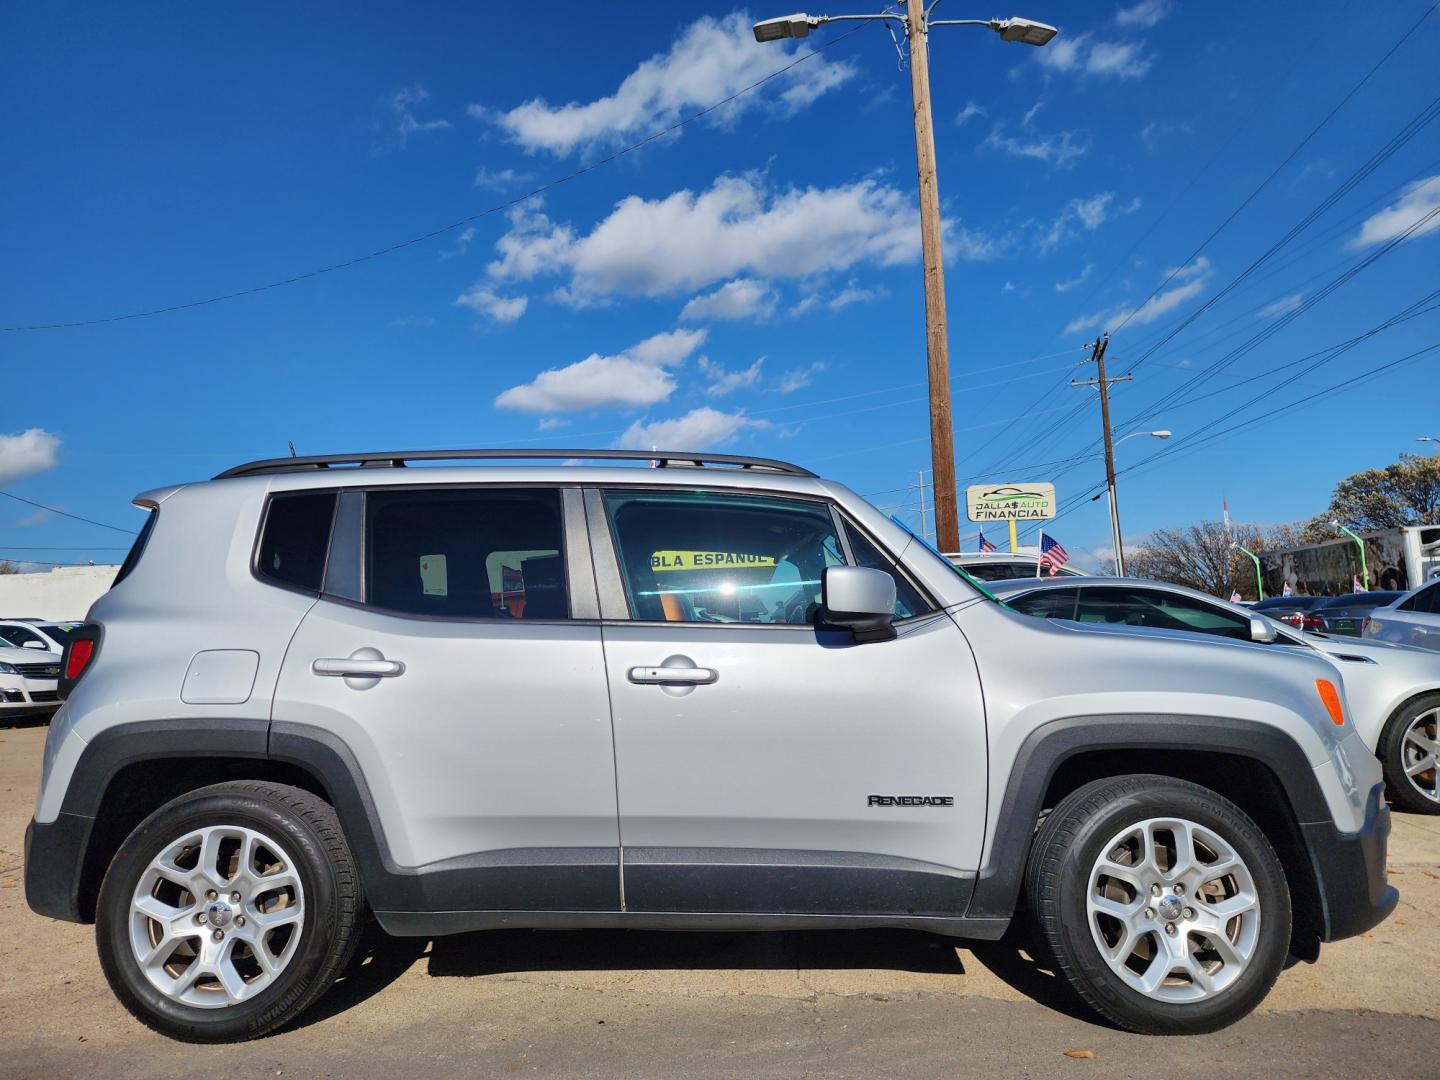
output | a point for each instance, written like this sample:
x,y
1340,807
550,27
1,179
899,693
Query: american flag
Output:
x,y
985,544
1052,554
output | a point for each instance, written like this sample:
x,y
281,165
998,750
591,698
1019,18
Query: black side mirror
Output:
x,y
859,599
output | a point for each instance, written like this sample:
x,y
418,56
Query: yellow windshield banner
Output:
x,y
708,560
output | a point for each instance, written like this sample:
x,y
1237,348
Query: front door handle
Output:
x,y
350,667
683,676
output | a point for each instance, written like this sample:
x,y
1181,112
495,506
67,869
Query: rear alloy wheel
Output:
x,y
1163,903
228,911
1410,755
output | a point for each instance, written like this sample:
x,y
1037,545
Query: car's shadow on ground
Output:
x,y
381,960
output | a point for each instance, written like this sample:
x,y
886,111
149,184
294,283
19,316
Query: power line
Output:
x,y
390,249
1429,10
66,513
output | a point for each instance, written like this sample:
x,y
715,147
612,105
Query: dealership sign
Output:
x,y
1010,502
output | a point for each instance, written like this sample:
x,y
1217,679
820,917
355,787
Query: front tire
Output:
x,y
1162,903
229,911
1410,755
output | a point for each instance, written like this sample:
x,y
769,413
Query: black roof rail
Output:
x,y
399,459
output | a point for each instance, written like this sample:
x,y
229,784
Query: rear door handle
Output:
x,y
349,667
686,676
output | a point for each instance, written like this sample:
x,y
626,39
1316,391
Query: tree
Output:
x,y
1203,557
1200,556
1405,493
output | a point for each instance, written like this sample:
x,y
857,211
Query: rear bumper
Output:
x,y
1350,871
54,862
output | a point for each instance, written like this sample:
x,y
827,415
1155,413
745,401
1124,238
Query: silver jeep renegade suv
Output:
x,y
719,693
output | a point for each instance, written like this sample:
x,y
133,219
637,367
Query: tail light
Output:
x,y
81,648
1365,625
1294,619
1312,622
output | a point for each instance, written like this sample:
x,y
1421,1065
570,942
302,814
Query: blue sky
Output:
x,y
749,282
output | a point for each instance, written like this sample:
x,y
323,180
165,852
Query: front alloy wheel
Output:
x,y
1161,902
1410,755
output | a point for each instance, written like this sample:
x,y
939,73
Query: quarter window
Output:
x,y
1047,603
296,539
466,553
1425,601
908,601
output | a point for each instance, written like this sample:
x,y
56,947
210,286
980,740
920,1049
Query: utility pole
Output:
x,y
920,475
1097,353
937,348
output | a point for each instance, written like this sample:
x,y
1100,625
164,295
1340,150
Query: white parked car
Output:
x,y
29,634
28,682
1394,690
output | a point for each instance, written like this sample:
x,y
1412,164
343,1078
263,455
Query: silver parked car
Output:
x,y
1393,691
717,693
1413,619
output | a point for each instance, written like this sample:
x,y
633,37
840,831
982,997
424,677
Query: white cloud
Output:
x,y
1081,214
970,111
722,382
26,454
462,243
502,309
1030,113
39,517
1082,55
552,423
1008,287
742,298
798,378
699,429
406,123
635,378
854,294
711,60
1060,149
1283,306
737,227
500,179
1185,283
1145,14
1077,281
1415,202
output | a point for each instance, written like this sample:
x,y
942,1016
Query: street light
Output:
x,y
1429,439
1364,570
937,350
1115,502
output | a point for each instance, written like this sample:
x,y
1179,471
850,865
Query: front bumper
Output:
x,y
1350,871
54,864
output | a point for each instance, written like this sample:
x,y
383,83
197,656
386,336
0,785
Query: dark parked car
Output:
x,y
1289,609
1347,615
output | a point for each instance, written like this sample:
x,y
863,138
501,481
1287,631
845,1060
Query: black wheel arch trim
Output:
x,y
1048,747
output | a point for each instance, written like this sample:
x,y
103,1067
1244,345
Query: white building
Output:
x,y
62,595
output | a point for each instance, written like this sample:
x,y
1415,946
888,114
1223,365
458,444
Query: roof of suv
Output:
x,y
399,459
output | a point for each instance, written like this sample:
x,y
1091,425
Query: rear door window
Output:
x,y
1426,601
466,553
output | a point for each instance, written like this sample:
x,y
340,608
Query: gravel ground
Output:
x,y
603,1003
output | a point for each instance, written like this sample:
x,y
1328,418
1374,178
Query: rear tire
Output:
x,y
229,911
1409,753
1162,903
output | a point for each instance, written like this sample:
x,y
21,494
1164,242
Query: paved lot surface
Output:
x,y
603,1004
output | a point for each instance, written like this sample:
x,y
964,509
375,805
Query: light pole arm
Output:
x,y
1364,570
1259,578
820,20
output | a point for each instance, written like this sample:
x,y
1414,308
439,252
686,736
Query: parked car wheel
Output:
x,y
1410,755
228,911
1162,903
